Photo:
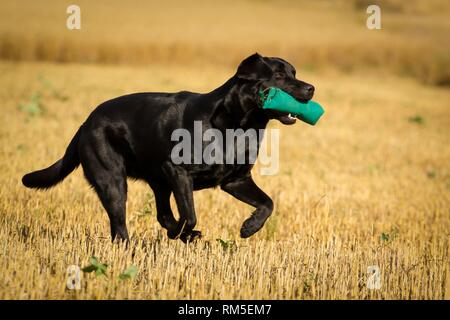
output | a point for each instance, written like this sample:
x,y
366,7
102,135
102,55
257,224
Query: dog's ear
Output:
x,y
254,68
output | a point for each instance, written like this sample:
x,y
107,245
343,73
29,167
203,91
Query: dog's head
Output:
x,y
264,72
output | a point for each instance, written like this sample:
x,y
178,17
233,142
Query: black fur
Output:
x,y
130,136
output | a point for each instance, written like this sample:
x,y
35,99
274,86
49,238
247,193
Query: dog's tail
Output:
x,y
46,178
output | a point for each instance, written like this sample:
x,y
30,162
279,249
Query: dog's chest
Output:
x,y
208,176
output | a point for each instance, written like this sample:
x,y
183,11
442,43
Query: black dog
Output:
x,y
130,136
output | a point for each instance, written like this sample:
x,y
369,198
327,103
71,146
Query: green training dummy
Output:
x,y
277,99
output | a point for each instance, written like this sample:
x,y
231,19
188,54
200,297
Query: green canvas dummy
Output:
x,y
277,99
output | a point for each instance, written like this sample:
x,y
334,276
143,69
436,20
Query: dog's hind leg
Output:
x,y
247,191
105,170
183,190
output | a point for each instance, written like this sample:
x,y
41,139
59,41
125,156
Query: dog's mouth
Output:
x,y
287,118
283,117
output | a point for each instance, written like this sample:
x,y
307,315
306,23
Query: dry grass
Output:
x,y
370,185
319,34
378,162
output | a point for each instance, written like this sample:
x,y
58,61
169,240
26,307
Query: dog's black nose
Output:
x,y
309,89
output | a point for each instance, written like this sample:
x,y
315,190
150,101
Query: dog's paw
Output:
x,y
191,236
173,233
250,227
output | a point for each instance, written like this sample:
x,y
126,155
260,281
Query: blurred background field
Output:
x,y
318,34
369,185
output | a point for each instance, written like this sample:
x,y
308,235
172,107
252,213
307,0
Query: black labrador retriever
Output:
x,y
130,136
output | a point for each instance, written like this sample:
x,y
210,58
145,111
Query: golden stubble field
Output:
x,y
368,186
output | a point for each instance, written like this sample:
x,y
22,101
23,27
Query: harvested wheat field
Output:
x,y
368,186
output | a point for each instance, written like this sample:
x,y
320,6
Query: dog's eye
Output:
x,y
279,75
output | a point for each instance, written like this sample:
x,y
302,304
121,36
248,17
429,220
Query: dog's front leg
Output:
x,y
183,190
247,191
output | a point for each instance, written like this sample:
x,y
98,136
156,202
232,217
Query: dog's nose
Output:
x,y
309,89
